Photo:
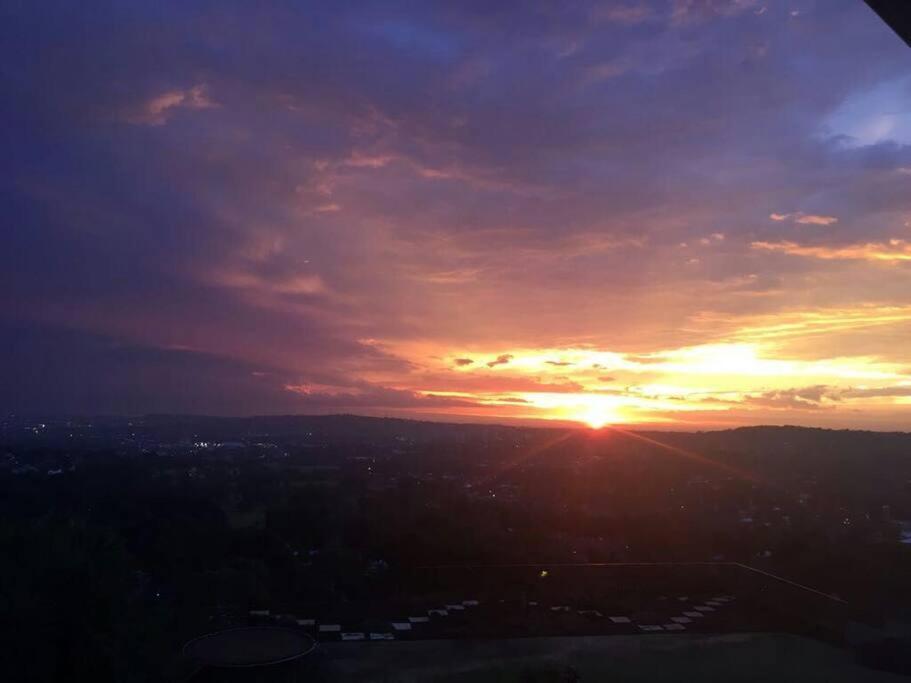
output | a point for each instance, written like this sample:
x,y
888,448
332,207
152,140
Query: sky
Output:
x,y
686,214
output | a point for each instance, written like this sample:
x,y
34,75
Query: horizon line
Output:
x,y
529,423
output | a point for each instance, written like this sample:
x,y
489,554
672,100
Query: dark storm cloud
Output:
x,y
265,183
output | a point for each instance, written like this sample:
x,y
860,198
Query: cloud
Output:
x,y
873,115
502,359
714,238
894,250
324,203
604,71
95,374
876,392
804,218
819,396
624,13
559,363
462,362
484,383
157,110
644,359
812,219
366,395
780,326
284,285
809,398
814,394
693,10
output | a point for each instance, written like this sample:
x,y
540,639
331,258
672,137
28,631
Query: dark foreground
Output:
x,y
653,658
175,527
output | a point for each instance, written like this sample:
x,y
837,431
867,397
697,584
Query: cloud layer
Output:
x,y
461,209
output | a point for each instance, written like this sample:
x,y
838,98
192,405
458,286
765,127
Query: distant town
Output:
x,y
354,528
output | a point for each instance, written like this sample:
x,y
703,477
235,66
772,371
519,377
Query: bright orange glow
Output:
x,y
892,251
595,418
760,370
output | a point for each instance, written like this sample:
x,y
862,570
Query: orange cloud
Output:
x,y
803,218
812,219
748,372
806,324
891,251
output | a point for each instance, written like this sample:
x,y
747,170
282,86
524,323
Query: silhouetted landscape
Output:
x,y
126,537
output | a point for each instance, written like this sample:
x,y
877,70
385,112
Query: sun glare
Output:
x,y
596,388
595,421
597,416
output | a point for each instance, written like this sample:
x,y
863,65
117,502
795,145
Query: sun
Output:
x,y
597,417
593,410
595,422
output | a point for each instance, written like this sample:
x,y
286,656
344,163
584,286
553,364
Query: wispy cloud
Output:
x,y
298,283
624,13
693,10
804,218
157,110
808,324
444,181
894,250
604,71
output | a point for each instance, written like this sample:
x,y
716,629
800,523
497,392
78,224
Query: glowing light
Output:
x,y
595,418
754,370
595,410
893,251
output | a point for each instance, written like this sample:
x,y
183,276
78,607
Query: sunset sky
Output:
x,y
678,213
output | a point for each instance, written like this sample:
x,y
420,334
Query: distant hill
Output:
x,y
859,461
